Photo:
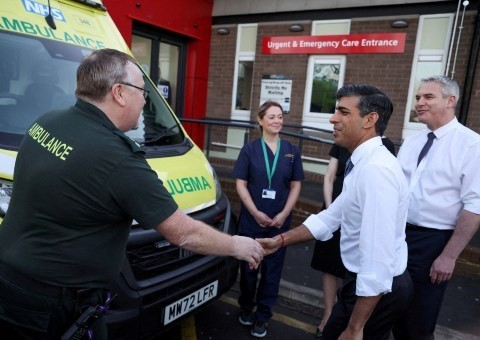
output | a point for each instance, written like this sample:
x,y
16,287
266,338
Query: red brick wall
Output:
x,y
220,75
291,66
220,80
390,72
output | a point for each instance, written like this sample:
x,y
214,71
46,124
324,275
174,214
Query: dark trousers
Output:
x,y
424,246
386,312
26,314
267,292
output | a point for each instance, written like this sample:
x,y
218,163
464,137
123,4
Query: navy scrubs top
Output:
x,y
251,167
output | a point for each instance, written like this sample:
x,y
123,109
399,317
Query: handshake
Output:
x,y
253,251
267,246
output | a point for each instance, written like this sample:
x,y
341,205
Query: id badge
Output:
x,y
268,193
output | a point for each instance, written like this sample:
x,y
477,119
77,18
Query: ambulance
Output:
x,y
42,43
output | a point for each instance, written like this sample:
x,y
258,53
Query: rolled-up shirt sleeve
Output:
x,y
470,184
323,224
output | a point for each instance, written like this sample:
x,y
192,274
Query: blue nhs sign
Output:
x,y
41,9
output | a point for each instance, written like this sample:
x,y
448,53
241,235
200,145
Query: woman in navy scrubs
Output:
x,y
268,176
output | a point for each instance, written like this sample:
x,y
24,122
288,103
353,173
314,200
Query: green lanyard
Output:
x,y
267,163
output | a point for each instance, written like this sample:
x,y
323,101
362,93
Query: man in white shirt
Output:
x,y
444,210
372,211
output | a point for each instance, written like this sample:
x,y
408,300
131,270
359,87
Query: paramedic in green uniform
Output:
x,y
79,183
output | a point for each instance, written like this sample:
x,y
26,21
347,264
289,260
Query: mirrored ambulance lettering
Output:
x,y
187,184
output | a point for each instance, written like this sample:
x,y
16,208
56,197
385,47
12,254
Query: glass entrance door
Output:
x,y
162,56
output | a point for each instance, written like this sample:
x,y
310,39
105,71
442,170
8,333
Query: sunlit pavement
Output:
x,y
219,321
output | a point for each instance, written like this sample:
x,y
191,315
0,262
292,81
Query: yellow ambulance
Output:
x,y
42,42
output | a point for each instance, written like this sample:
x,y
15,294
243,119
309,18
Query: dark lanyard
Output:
x,y
271,171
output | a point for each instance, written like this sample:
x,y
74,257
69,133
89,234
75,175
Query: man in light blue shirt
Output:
x,y
372,211
444,210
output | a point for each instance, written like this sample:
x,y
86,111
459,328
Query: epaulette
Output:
x,y
136,147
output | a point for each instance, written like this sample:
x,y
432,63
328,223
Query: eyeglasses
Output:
x,y
145,93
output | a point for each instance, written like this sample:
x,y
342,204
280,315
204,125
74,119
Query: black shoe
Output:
x,y
259,330
246,318
319,334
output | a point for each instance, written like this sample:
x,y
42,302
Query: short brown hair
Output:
x,y
98,72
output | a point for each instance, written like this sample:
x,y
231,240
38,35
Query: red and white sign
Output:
x,y
335,44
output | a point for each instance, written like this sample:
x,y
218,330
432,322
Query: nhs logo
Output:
x,y
41,9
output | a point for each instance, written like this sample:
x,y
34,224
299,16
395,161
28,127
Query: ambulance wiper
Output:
x,y
155,139
49,18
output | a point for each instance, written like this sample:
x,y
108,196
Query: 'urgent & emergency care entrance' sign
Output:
x,y
335,44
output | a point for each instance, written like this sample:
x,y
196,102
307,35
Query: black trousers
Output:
x,y
424,246
43,314
390,307
264,294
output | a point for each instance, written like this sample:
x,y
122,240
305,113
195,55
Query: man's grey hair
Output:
x,y
449,87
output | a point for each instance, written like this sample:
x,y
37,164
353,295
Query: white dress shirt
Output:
x,y
447,179
372,210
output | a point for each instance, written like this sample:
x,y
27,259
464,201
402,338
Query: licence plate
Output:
x,y
188,303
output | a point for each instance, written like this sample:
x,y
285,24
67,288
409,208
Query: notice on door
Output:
x,y
276,88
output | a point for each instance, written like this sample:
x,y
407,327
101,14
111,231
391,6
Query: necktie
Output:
x,y
348,167
426,147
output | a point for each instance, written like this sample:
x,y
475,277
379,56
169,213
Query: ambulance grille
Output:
x,y
149,261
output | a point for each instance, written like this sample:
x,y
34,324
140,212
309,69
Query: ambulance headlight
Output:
x,y
218,188
5,194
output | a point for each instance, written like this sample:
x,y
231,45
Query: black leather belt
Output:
x,y
416,227
38,287
419,228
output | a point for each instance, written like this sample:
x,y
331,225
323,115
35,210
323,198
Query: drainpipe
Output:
x,y
453,39
471,67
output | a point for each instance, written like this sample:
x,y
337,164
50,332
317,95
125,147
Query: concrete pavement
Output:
x,y
459,318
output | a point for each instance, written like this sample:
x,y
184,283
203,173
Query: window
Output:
x,y
430,59
242,86
325,76
325,80
326,27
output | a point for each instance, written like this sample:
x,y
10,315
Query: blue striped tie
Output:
x,y
348,167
